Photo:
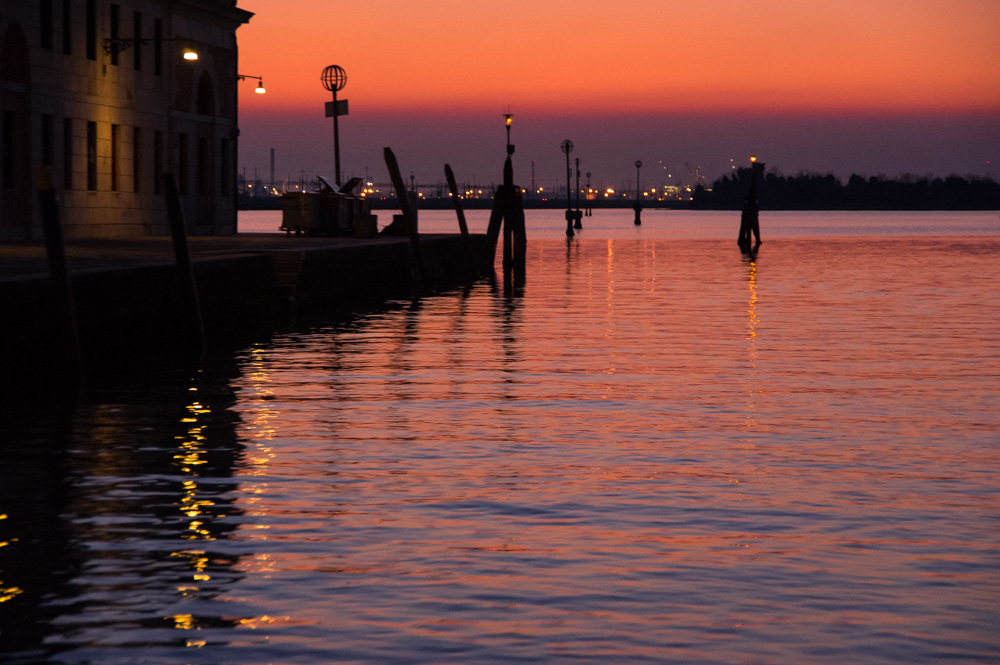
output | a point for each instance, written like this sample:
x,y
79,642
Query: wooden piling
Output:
x,y
409,216
187,288
508,211
471,263
55,252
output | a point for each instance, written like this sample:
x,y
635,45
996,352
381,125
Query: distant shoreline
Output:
x,y
274,203
773,192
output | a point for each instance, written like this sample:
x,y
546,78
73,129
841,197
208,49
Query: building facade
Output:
x,y
104,93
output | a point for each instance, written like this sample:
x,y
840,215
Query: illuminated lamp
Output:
x,y
260,82
115,46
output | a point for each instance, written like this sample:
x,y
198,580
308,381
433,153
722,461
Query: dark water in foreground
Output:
x,y
659,452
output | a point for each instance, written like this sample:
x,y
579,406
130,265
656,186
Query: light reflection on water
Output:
x,y
659,452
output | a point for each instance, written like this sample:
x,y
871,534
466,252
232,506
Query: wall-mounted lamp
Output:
x,y
118,45
260,82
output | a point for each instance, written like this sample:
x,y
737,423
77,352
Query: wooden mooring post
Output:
x,y
68,332
471,263
188,289
409,216
508,212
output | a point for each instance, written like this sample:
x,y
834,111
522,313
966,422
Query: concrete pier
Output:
x,y
129,309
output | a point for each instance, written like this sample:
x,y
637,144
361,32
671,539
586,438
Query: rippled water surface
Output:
x,y
654,451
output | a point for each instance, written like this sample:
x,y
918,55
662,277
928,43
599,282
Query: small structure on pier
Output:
x,y
331,211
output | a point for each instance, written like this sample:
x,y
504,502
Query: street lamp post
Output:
x,y
334,79
638,194
260,82
578,224
508,168
567,147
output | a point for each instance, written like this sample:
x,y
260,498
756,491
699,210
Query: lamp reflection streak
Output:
x,y
195,509
7,593
753,320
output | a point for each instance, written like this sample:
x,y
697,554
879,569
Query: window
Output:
x,y
91,156
224,170
67,33
47,139
114,33
158,162
92,29
137,41
136,159
205,98
68,154
45,20
8,149
158,47
204,167
115,151
182,163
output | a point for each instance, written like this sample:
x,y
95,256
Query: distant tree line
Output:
x,y
808,191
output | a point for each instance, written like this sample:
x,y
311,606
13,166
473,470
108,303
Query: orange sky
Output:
x,y
643,54
456,61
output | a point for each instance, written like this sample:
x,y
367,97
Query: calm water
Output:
x,y
658,451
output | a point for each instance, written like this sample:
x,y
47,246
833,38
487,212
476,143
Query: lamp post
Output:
x,y
260,82
578,224
638,194
334,79
508,168
113,46
508,119
567,147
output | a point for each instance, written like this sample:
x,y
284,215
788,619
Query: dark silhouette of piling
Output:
x,y
508,211
409,218
68,330
638,195
187,287
749,225
471,264
750,216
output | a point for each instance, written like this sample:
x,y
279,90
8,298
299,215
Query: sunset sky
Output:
x,y
876,87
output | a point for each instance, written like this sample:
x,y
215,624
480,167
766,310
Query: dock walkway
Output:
x,y
130,310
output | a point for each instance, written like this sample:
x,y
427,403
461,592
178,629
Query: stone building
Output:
x,y
107,95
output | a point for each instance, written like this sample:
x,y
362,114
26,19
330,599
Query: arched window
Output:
x,y
205,102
